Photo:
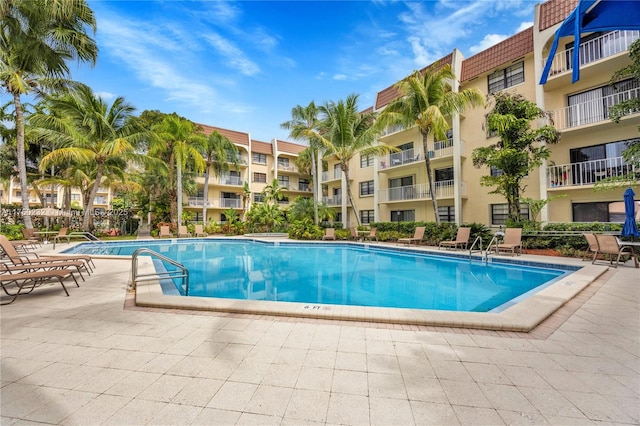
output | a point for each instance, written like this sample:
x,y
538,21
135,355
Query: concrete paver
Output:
x,y
89,359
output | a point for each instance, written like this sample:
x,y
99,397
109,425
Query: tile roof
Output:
x,y
499,54
389,94
261,147
234,136
290,147
555,11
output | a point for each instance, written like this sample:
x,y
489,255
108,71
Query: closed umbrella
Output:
x,y
630,228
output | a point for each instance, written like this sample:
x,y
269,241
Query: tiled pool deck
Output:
x,y
95,358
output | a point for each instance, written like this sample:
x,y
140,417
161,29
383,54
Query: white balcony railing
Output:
x,y
588,172
230,203
592,111
392,129
288,167
399,159
305,187
336,200
444,189
593,50
198,202
285,185
331,175
439,149
230,180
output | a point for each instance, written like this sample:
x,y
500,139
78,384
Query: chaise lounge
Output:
x,y
462,239
512,241
418,235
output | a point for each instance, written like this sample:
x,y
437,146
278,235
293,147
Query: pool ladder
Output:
x,y
471,250
494,242
136,277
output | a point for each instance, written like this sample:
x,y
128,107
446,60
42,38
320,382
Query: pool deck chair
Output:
x,y
63,233
24,262
418,235
329,234
183,231
462,239
609,244
199,231
512,241
31,280
354,234
373,235
593,246
165,232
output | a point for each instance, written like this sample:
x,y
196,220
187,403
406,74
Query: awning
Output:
x,y
592,16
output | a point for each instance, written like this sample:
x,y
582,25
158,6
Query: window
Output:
x,y
366,161
259,158
366,188
401,189
283,181
495,172
303,184
599,161
75,197
446,214
196,216
444,174
403,216
506,77
500,212
258,197
603,211
366,216
283,162
284,200
260,177
405,146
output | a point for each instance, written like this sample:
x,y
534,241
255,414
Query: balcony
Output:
x,y
336,200
220,203
401,158
392,129
198,202
287,167
284,185
230,180
444,189
593,50
592,111
588,172
440,149
330,175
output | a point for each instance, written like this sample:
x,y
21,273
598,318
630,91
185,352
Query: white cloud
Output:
x,y
523,26
339,77
488,41
106,96
233,54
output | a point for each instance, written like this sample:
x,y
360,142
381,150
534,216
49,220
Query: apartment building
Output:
x,y
395,188
53,196
259,163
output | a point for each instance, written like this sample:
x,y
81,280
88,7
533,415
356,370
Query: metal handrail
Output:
x,y
478,238
494,240
182,273
86,235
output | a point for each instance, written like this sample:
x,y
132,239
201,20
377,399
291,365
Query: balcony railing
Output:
x,y
336,200
284,185
198,202
230,203
331,175
304,187
399,158
592,111
440,149
588,172
444,189
224,203
230,180
593,50
392,129
287,167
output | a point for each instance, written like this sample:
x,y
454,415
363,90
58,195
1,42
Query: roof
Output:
x,y
508,50
290,147
261,147
554,12
390,94
234,136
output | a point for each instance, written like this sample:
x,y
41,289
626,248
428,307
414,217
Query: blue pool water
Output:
x,y
343,274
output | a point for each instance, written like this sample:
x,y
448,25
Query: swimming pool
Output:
x,y
342,274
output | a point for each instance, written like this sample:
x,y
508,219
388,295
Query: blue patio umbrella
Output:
x,y
630,228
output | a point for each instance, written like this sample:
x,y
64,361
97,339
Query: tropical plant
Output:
x,y
273,192
265,216
345,132
305,229
246,197
303,125
302,208
233,220
217,152
83,129
427,100
519,150
177,139
37,38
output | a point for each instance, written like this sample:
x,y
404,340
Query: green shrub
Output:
x,y
305,229
13,232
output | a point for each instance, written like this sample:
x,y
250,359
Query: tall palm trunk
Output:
x,y
172,193
315,186
87,223
345,170
179,188
205,198
22,164
432,189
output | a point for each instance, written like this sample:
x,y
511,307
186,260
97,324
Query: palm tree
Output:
x,y
344,132
177,138
246,196
303,124
427,101
37,38
273,192
96,137
216,151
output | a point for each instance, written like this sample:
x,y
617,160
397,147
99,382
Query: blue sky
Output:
x,y
244,65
